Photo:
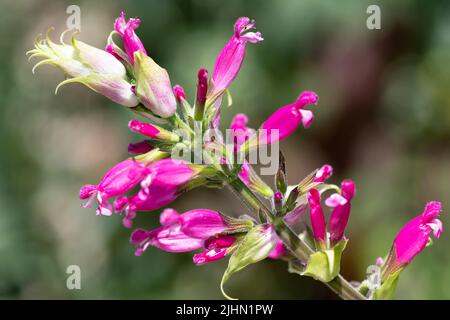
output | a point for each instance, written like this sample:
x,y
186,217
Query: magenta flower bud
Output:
x,y
140,147
152,131
414,236
324,173
131,41
202,86
317,218
119,179
341,212
179,93
278,251
230,59
145,129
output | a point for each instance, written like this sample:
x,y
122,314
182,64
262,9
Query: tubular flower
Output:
x,y
283,122
152,131
118,180
188,231
131,41
323,173
95,68
161,186
317,217
341,212
230,59
414,237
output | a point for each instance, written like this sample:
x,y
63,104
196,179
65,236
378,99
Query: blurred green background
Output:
x,y
383,120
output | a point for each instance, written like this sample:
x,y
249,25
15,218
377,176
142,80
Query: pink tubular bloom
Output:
x,y
202,86
146,129
414,236
324,173
131,41
179,93
317,218
230,59
341,212
185,232
110,49
159,188
119,179
283,122
140,147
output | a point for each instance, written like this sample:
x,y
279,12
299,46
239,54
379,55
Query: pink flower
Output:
x,y
232,55
240,131
146,129
140,147
131,41
414,236
152,131
283,122
160,187
185,232
341,212
202,86
317,218
324,173
180,95
119,179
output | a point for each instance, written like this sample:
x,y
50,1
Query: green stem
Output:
x,y
297,246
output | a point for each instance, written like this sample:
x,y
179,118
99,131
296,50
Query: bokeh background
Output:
x,y
383,120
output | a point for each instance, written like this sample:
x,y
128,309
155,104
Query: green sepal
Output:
x,y
254,247
325,265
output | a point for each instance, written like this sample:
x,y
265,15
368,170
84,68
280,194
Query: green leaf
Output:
x,y
387,290
325,265
254,247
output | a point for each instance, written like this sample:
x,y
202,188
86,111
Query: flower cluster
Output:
x,y
152,178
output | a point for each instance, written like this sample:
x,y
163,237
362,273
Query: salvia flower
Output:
x,y
317,217
323,173
283,122
161,186
341,212
152,131
232,55
131,41
93,67
188,231
414,237
118,180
